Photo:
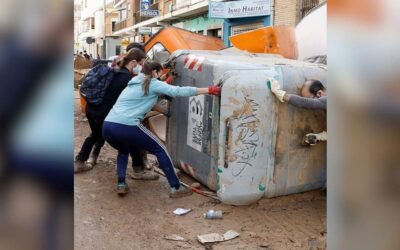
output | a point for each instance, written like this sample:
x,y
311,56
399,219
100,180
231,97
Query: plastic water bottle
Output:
x,y
211,214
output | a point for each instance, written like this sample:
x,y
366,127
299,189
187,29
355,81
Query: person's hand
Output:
x,y
276,89
214,90
164,77
169,80
312,139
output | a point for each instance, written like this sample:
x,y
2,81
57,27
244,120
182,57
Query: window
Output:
x,y
158,53
118,50
123,12
92,23
113,26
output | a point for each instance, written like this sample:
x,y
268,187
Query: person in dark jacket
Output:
x,y
129,65
314,96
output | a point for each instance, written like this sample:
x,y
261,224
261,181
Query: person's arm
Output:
x,y
201,91
173,91
295,100
303,102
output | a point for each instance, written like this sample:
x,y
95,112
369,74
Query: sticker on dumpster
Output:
x,y
195,122
193,62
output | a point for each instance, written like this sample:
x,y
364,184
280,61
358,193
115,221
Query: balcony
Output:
x,y
306,6
179,4
186,8
123,24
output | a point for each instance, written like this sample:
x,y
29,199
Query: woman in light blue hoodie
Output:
x,y
123,128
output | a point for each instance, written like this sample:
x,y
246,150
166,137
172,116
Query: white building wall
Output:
x,y
99,23
112,44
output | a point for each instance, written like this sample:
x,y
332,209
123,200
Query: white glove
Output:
x,y
312,139
276,89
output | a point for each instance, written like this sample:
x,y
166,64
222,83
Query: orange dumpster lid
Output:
x,y
273,39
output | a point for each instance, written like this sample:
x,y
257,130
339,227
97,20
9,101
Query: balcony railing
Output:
x,y
182,4
306,6
123,24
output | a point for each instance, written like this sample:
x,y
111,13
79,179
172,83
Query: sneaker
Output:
x,y
181,192
80,166
145,175
310,140
92,160
122,188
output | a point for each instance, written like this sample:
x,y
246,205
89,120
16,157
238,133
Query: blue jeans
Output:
x,y
126,138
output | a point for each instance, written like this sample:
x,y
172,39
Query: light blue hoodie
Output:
x,y
132,105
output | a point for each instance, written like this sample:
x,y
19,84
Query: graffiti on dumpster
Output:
x,y
195,122
248,137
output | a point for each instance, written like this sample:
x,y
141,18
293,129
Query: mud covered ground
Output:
x,y
142,219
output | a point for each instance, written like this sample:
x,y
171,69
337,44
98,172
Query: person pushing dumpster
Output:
x,y
314,96
124,131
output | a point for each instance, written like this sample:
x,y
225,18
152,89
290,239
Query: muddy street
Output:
x,y
143,218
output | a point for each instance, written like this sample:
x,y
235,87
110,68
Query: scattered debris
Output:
x,y
174,237
195,185
231,235
182,211
266,246
207,238
212,214
195,190
214,237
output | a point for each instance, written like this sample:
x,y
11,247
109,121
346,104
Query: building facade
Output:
x,y
94,28
127,21
290,12
186,14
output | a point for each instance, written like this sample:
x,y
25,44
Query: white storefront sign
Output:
x,y
236,9
145,30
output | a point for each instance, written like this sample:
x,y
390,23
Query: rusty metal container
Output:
x,y
245,144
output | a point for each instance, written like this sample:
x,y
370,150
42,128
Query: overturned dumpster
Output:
x,y
245,144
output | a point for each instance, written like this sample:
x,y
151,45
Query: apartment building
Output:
x,y
94,28
290,12
137,20
137,25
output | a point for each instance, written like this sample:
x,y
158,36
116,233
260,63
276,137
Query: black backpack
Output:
x,y
96,82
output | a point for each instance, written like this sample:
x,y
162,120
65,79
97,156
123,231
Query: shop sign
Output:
x,y
145,31
145,9
237,9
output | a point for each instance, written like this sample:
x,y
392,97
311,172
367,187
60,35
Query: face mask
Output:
x,y
136,70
